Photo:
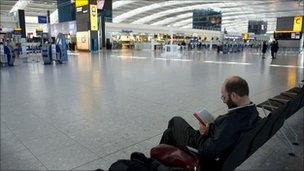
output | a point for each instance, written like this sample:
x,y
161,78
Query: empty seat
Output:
x,y
274,123
241,151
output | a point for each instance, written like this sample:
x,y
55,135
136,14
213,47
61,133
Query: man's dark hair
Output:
x,y
238,85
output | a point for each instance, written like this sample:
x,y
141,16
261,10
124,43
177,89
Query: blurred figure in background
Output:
x,y
272,49
264,49
276,48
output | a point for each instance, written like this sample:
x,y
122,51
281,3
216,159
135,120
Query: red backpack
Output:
x,y
173,156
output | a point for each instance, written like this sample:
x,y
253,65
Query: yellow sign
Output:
x,y
245,36
39,29
297,23
286,31
93,17
18,29
80,3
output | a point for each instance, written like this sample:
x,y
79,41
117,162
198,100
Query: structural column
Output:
x,y
87,25
21,21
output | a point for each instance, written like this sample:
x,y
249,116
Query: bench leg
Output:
x,y
286,141
292,132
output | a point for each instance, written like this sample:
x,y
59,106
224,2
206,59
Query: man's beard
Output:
x,y
231,104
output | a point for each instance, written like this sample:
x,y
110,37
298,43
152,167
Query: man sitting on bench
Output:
x,y
214,141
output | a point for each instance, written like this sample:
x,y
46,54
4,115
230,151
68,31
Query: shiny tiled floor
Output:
x,y
100,107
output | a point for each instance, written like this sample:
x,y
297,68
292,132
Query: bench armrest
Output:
x,y
283,101
287,94
268,106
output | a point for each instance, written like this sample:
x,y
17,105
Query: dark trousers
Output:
x,y
275,54
272,54
180,133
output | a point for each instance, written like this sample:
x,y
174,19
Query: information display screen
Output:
x,y
292,24
257,27
207,19
285,24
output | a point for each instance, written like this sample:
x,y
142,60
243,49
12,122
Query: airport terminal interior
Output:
x,y
87,83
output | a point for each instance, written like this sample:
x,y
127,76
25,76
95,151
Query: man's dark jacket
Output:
x,y
225,131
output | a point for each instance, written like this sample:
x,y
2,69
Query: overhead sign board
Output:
x,y
290,24
285,24
42,19
80,3
297,23
257,26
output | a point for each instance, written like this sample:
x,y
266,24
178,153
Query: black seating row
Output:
x,y
295,95
281,107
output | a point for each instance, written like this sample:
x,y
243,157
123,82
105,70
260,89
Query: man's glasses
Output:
x,y
223,98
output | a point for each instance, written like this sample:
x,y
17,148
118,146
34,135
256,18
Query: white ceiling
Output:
x,y
178,13
32,8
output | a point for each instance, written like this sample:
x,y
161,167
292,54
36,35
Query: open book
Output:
x,y
204,117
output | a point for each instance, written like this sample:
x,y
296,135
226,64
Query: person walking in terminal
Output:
x,y
264,49
272,49
276,48
215,140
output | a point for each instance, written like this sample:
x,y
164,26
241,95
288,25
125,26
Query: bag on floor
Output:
x,y
139,162
175,157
